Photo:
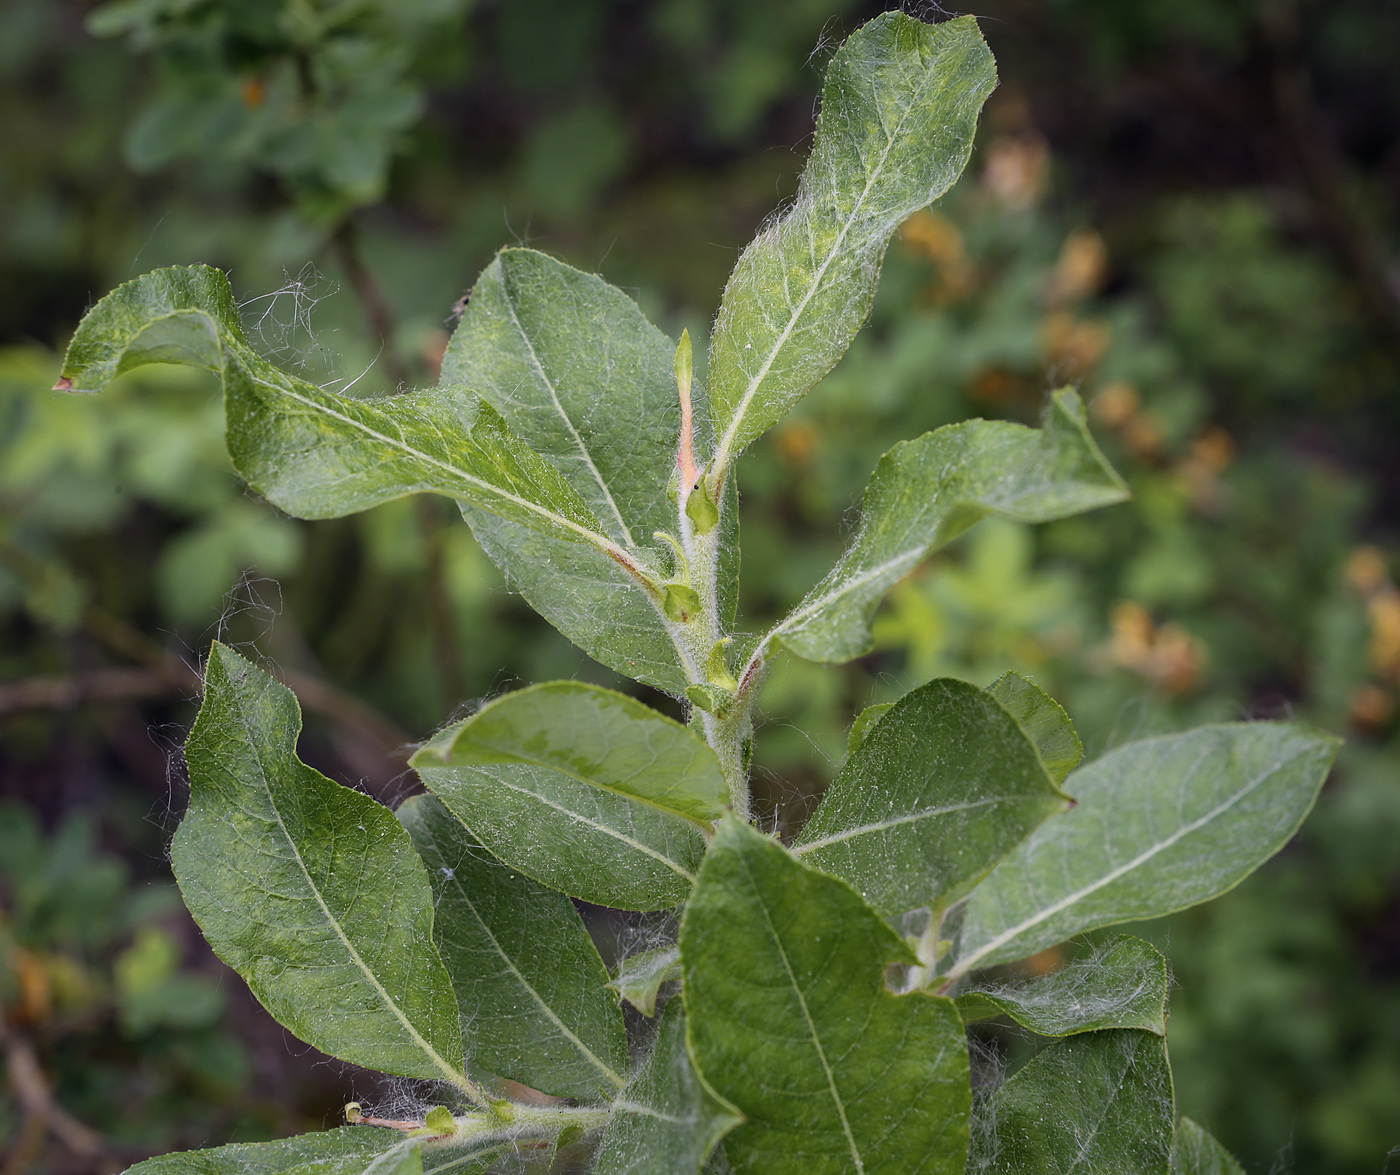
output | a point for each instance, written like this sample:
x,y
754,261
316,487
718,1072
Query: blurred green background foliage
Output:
x,y
1188,210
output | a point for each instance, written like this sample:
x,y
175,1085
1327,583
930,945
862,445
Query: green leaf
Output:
x,y
350,1150
528,979
1196,1152
926,492
583,789
1160,825
582,377
315,454
640,978
863,723
899,108
1101,1103
667,1121
1044,720
1122,985
790,1021
309,890
943,787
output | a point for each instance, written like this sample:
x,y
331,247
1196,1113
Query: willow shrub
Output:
x,y
825,986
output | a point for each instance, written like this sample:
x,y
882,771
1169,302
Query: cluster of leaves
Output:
x,y
825,985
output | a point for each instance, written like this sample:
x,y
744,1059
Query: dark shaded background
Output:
x,y
1189,209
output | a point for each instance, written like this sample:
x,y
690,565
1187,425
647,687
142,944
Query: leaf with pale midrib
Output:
x,y
926,492
1123,984
528,979
583,789
1160,825
899,108
941,788
1097,1104
667,1120
790,1022
310,891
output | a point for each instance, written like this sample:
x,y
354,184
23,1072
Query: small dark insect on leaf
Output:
x,y
459,307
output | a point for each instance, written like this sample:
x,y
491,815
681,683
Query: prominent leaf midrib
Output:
x,y
652,1112
588,1053
469,1158
908,818
564,416
603,828
900,562
432,1054
722,455
1098,1124
1127,867
812,1032
612,789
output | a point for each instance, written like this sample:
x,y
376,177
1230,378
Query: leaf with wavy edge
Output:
x,y
309,890
528,979
319,455
899,109
926,492
790,1022
939,790
1160,825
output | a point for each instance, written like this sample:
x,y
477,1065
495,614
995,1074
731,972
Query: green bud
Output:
x,y
440,1121
682,602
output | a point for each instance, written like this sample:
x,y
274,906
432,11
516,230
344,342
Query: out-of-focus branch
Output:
x,y
1359,248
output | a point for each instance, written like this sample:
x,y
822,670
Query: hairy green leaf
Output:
x,y
1122,985
667,1121
1044,720
1196,1152
350,1150
942,787
583,789
926,492
1160,825
1097,1104
310,891
790,1021
865,720
528,978
899,108
640,978
319,455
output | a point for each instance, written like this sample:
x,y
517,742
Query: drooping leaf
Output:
x,y
790,1021
1122,985
667,1120
1160,825
640,978
926,492
899,108
943,786
583,789
350,1150
1097,1104
528,979
316,454
1044,720
1196,1152
309,890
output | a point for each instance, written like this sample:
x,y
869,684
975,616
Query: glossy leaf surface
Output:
x,y
1196,1152
791,1022
926,492
899,109
1097,1104
1160,825
1122,985
942,787
587,791
527,977
310,891
667,1120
